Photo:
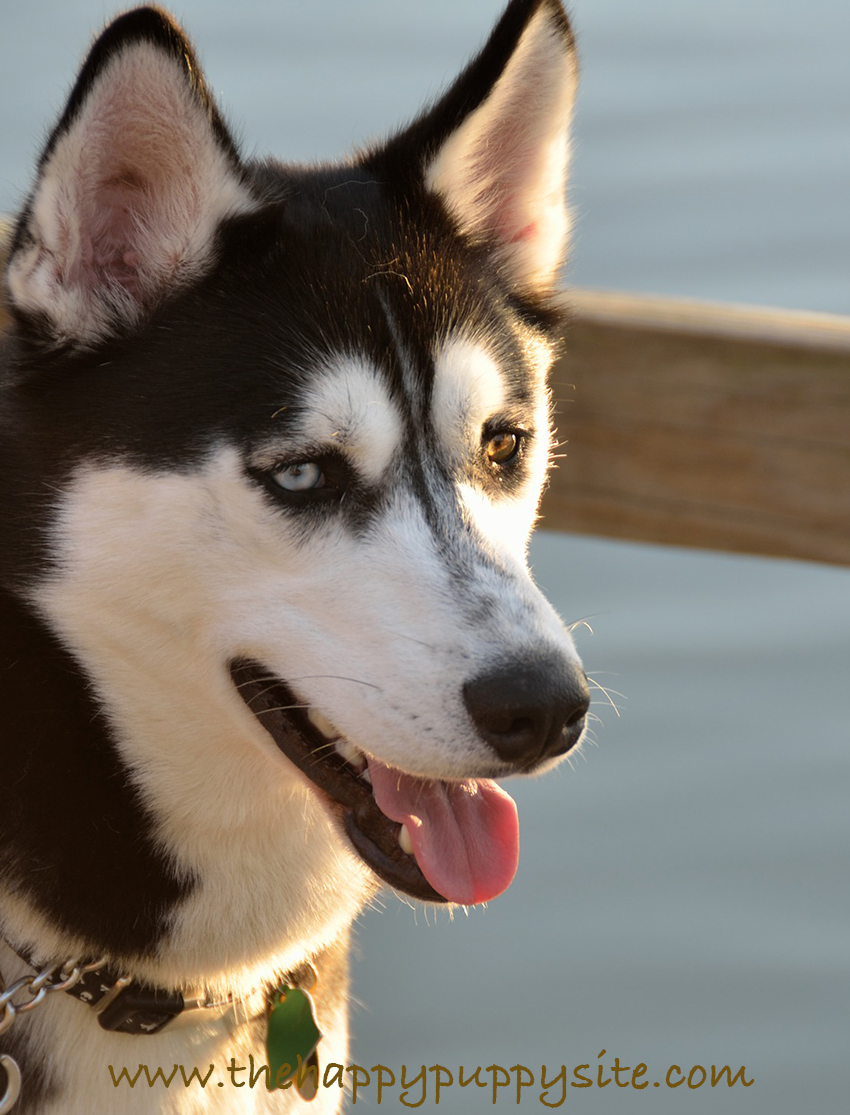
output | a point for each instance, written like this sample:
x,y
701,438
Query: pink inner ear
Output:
x,y
527,233
115,227
513,166
502,172
129,199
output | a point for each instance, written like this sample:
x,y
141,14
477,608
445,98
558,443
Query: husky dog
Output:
x,y
272,441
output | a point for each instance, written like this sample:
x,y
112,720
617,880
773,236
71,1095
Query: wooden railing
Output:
x,y
721,427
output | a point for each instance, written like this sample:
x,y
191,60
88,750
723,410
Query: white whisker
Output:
x,y
279,708
607,693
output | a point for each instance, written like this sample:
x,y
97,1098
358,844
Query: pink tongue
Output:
x,y
465,834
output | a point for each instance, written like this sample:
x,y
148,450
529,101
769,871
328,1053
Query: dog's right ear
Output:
x,y
131,186
494,148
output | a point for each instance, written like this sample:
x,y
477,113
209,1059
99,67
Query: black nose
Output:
x,y
529,711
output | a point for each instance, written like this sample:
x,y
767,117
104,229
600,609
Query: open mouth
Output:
x,y
437,841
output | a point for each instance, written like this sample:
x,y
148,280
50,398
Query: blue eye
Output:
x,y
305,476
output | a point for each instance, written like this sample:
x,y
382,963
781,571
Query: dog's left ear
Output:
x,y
131,187
495,147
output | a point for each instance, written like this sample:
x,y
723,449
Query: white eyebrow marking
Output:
x,y
348,405
468,389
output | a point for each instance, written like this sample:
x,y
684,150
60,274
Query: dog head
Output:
x,y
280,434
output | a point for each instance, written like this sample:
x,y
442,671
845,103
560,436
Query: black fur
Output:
x,y
74,836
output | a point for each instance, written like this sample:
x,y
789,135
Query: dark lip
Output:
x,y
372,835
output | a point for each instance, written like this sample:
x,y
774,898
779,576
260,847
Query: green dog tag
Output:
x,y
291,1041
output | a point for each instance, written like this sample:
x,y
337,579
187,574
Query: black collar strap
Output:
x,y
127,1006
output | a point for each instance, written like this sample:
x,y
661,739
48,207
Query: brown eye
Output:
x,y
502,447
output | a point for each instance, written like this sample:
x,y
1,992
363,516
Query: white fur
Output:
x,y
503,172
348,407
469,390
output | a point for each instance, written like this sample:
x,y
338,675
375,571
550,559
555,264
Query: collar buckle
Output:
x,y
140,1009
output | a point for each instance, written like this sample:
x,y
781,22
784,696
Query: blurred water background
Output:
x,y
682,894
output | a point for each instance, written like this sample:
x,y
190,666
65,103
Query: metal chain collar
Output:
x,y
59,976
134,1016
